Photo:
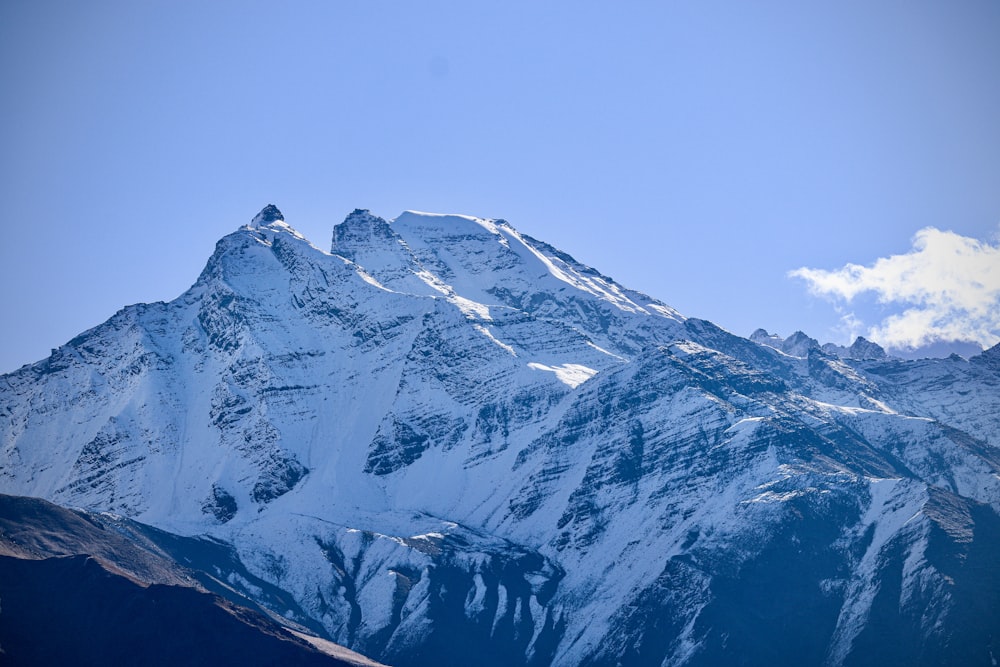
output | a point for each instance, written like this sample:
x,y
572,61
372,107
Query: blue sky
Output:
x,y
695,151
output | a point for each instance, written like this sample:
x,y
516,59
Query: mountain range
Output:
x,y
445,442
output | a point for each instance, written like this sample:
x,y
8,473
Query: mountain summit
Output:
x,y
445,441
267,215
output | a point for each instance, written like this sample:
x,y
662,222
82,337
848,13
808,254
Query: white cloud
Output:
x,y
850,326
948,285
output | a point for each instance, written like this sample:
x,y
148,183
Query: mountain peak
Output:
x,y
796,345
360,229
862,348
267,215
362,219
360,212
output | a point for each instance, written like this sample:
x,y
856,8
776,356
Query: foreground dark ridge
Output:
x,y
82,589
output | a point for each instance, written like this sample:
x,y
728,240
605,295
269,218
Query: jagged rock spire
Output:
x,y
267,215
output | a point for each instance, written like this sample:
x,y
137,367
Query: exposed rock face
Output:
x,y
865,350
447,439
267,215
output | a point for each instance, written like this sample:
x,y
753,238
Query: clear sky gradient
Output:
x,y
697,151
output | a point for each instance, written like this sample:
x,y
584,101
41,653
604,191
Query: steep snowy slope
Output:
x,y
445,438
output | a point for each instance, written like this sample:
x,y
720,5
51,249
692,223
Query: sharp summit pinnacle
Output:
x,y
267,215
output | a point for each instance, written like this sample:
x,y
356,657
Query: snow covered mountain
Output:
x,y
445,439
